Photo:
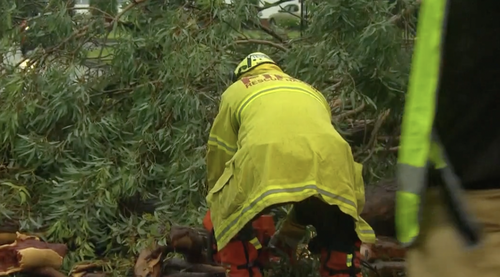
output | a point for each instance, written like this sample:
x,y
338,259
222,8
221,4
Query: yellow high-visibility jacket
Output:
x,y
418,148
273,143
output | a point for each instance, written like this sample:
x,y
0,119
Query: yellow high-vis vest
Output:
x,y
419,147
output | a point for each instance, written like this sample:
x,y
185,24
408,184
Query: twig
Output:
x,y
78,33
403,13
373,137
388,149
385,138
241,41
334,86
115,19
351,112
265,42
270,32
259,9
367,265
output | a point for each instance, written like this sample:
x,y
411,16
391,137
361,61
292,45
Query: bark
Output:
x,y
380,206
28,253
178,264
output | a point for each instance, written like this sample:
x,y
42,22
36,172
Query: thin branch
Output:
x,y
264,42
350,112
373,138
334,86
115,19
271,33
405,12
259,9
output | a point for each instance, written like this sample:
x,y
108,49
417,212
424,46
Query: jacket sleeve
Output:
x,y
360,187
222,142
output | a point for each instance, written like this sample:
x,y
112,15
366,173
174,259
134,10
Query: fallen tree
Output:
x,y
27,254
102,145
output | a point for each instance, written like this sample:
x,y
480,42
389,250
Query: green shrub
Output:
x,y
290,23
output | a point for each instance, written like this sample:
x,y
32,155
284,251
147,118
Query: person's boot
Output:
x,y
239,257
341,264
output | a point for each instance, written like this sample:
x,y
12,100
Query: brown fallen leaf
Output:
x,y
88,269
147,265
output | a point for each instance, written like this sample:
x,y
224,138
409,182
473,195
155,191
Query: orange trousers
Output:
x,y
336,243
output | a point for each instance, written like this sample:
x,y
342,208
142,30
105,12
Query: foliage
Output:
x,y
91,146
289,23
105,8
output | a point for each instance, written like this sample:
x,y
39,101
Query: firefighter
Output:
x,y
449,160
273,143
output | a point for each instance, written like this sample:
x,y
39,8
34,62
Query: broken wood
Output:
x,y
190,242
195,274
147,265
28,253
179,264
382,269
88,269
380,207
7,237
47,271
385,249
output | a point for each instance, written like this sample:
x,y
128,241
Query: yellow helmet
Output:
x,y
250,62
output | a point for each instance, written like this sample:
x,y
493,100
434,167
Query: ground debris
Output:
x,y
30,255
192,244
27,254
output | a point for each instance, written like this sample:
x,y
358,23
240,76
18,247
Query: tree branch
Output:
x,y
115,19
264,42
350,112
271,33
271,5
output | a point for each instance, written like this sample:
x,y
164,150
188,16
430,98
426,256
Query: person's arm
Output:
x,y
222,142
